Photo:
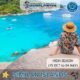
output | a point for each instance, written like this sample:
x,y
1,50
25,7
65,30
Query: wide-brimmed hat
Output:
x,y
69,27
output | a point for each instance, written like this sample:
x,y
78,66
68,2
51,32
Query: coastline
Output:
x,y
27,12
14,14
36,58
4,65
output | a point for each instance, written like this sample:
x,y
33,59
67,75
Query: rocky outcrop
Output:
x,y
37,58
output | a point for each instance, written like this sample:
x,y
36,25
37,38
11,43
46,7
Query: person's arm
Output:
x,y
58,45
78,48
77,43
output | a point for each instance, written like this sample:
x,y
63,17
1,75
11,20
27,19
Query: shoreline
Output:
x,y
14,14
36,58
27,13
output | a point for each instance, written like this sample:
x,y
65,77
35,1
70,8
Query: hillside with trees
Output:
x,y
10,7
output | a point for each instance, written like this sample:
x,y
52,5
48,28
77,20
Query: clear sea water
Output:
x,y
31,31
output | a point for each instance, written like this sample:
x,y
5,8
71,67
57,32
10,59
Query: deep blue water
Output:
x,y
32,31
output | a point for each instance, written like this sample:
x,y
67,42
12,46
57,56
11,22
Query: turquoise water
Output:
x,y
25,32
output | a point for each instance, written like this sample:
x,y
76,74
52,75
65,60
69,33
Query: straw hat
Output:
x,y
69,27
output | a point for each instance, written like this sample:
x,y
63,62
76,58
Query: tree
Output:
x,y
10,7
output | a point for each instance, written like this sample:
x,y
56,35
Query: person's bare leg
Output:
x,y
78,48
56,51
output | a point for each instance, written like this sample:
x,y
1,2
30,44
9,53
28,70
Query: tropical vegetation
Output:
x,y
10,7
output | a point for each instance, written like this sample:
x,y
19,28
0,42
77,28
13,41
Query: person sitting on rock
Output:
x,y
68,39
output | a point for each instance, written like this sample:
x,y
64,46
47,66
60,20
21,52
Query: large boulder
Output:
x,y
37,58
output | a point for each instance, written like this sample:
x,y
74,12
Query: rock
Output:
x,y
36,59
15,53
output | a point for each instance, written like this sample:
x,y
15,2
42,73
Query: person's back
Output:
x,y
67,42
68,39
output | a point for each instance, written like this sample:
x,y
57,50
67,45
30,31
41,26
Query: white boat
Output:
x,y
67,15
14,20
47,14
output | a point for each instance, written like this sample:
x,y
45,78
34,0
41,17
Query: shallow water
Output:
x,y
25,32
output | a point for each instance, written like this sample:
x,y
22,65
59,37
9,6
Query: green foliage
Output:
x,y
9,7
